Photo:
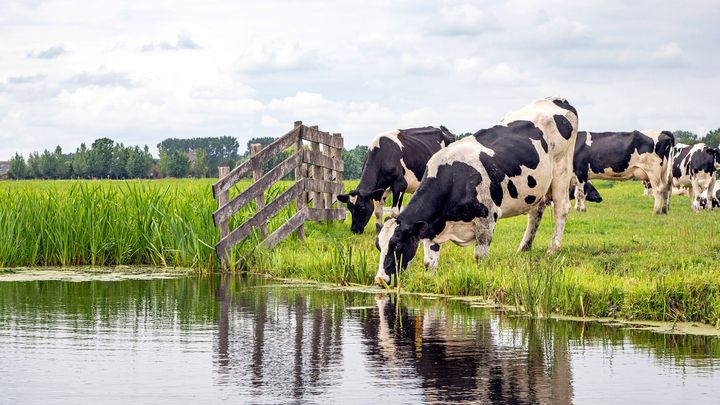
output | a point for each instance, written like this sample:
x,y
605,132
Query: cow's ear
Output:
x,y
420,228
377,194
343,198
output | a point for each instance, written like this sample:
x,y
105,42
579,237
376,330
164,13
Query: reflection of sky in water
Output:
x,y
204,340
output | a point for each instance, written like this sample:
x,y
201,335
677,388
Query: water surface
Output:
x,y
243,340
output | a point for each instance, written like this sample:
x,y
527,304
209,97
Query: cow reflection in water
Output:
x,y
467,361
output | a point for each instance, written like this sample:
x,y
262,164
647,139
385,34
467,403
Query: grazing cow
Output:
x,y
395,163
591,193
622,156
713,195
694,170
500,172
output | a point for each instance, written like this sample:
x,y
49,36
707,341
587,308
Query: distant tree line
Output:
x,y
711,139
104,159
199,157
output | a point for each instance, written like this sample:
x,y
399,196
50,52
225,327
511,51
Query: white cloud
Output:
x,y
423,63
49,53
462,19
261,57
183,42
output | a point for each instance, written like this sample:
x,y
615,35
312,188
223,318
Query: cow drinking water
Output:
x,y
500,172
395,163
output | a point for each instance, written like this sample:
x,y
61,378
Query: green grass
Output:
x,y
617,259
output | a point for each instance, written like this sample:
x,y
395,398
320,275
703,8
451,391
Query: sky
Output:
x,y
140,72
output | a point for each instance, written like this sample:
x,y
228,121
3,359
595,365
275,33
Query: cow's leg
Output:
x,y
711,186
694,195
659,192
534,218
397,191
580,197
379,206
561,203
432,254
483,234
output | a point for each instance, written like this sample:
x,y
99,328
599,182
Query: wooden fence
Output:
x,y
318,181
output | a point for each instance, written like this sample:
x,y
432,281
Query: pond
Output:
x,y
212,339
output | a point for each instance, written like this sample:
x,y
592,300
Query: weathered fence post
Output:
x,y
301,201
257,174
337,175
222,200
316,172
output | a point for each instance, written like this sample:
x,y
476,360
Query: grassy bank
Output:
x,y
618,259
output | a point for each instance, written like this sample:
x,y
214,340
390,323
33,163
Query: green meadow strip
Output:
x,y
617,259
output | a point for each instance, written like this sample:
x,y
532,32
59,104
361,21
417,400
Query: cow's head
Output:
x,y
591,193
398,243
361,207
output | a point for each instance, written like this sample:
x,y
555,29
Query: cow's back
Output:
x,y
419,144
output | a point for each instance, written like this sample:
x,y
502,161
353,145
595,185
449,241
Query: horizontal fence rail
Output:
x,y
318,180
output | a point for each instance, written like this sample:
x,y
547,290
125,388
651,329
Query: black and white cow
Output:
x,y
500,172
395,163
693,169
622,156
713,195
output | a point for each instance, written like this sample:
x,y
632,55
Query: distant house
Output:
x,y
4,170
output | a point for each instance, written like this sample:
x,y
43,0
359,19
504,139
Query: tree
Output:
x,y
18,168
81,165
63,164
686,137
712,139
33,163
163,164
48,165
178,164
118,164
101,155
200,167
353,161
222,151
139,162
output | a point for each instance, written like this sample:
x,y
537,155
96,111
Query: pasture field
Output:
x,y
617,259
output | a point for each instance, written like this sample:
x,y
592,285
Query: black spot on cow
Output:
x,y
562,103
664,145
423,140
531,182
511,189
564,126
515,143
680,156
435,247
495,216
530,199
449,196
